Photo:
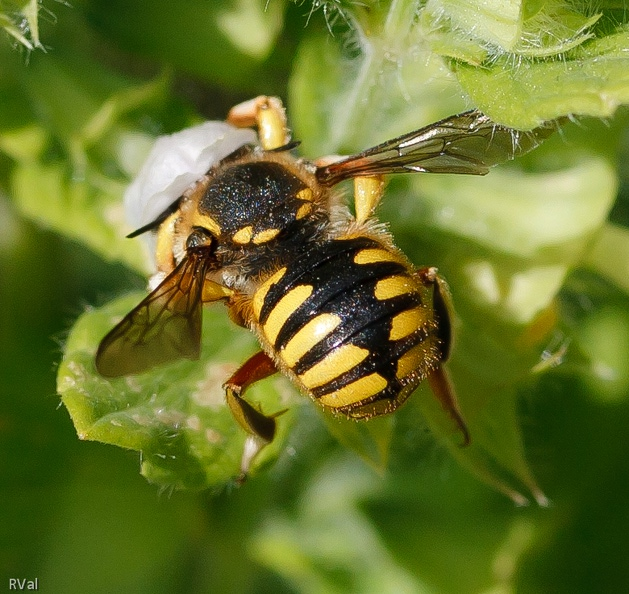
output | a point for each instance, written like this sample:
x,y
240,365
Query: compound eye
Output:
x,y
199,238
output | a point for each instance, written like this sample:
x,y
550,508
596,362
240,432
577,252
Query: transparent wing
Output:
x,y
164,327
465,143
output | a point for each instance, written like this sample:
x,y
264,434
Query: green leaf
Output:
x,y
77,209
174,415
77,154
498,55
387,85
390,93
593,80
252,26
522,27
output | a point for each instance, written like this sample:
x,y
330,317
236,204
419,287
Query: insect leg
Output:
x,y
164,249
442,388
214,292
439,379
261,429
368,191
442,304
268,115
251,420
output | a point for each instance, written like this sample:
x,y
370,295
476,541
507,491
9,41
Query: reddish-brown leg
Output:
x,y
443,390
260,428
251,420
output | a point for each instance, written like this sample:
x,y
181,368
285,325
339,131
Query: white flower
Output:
x,y
177,161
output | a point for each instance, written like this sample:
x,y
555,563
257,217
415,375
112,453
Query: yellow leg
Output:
x,y
164,248
214,292
268,115
367,194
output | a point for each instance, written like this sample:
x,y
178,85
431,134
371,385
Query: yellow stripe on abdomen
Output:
x,y
394,286
308,336
283,310
336,363
260,295
412,360
407,322
376,256
358,390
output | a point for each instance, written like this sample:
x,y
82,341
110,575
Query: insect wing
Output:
x,y
164,327
465,143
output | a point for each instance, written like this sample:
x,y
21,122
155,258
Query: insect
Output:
x,y
336,306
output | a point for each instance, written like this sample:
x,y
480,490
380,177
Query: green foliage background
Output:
x,y
537,254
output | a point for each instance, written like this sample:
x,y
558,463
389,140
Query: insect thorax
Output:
x,y
263,211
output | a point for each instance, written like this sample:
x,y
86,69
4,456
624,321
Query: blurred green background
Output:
x,y
101,75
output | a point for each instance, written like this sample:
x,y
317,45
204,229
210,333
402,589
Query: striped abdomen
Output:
x,y
351,323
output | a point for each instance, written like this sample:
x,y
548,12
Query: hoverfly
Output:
x,y
335,305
